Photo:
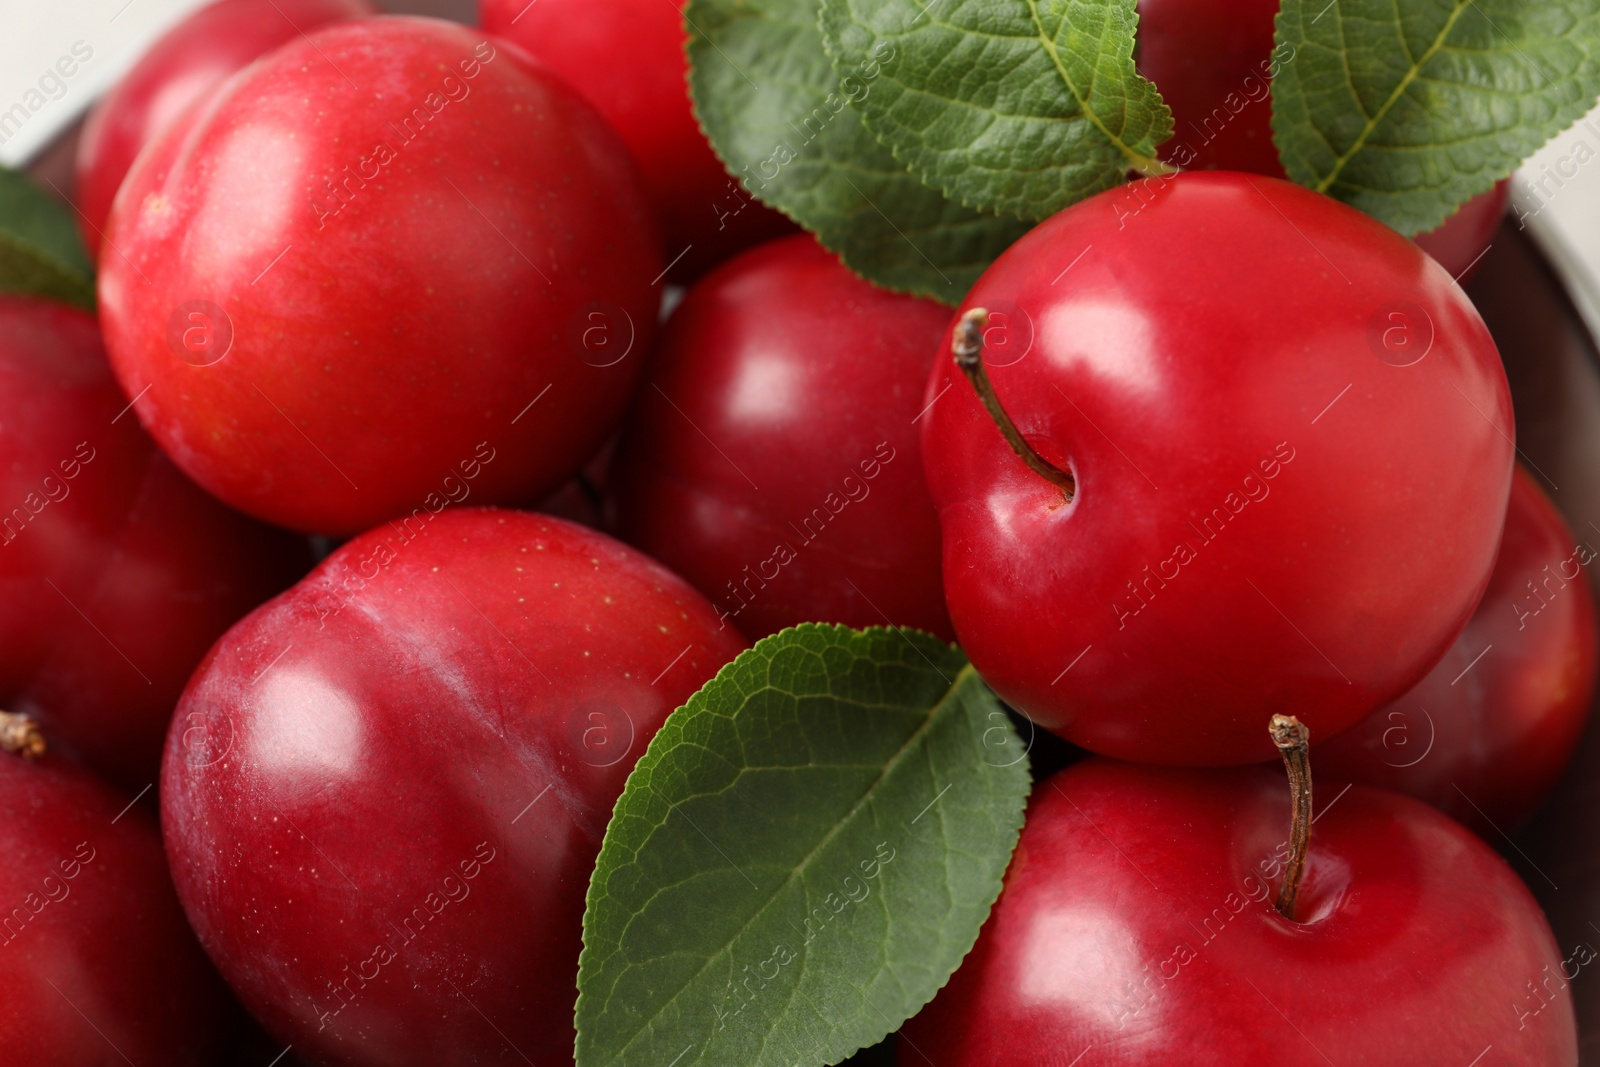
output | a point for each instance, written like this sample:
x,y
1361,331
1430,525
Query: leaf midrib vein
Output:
x,y
889,765
1138,160
1412,71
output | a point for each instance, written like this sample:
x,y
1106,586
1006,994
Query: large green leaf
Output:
x,y
783,123
802,857
40,253
1014,106
1405,110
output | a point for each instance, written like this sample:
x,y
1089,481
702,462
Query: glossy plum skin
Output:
x,y
89,910
1137,918
773,457
187,64
1280,507
384,791
626,57
1487,733
1213,60
118,572
327,363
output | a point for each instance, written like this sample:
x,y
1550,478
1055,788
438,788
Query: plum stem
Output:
x,y
1293,739
967,345
20,735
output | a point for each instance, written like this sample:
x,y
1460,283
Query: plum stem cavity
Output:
x,y
967,344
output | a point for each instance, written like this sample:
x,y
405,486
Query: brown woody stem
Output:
x,y
968,348
20,735
1293,739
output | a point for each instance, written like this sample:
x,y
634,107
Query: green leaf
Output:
x,y
1406,110
1014,106
781,120
802,857
40,253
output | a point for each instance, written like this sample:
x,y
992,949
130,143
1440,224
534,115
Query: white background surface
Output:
x,y
34,34
1558,195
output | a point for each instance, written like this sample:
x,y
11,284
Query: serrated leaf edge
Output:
x,y
1145,166
693,33
1413,71
967,674
1479,183
747,654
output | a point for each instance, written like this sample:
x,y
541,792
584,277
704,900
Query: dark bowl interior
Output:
x,y
1554,367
